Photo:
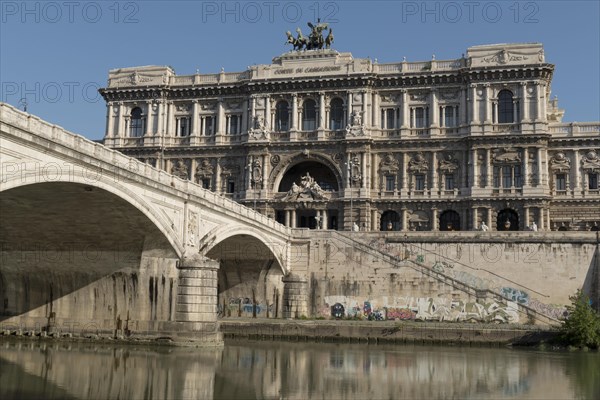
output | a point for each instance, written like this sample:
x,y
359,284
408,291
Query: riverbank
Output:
x,y
374,332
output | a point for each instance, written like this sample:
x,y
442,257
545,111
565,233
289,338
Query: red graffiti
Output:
x,y
400,313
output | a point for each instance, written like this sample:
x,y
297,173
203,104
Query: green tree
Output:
x,y
582,326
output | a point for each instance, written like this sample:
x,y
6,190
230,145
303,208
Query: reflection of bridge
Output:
x,y
94,241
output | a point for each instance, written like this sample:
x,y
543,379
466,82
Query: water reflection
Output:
x,y
274,370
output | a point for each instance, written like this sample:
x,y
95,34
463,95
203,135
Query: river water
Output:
x,y
277,370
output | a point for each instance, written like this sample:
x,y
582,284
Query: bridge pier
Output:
x,y
295,291
196,304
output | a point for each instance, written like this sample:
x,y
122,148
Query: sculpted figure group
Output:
x,y
314,41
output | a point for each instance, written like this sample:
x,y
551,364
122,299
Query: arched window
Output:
x,y
505,107
282,116
507,220
309,115
449,221
136,123
336,114
390,221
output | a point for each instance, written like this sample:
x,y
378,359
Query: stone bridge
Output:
x,y
97,243
79,219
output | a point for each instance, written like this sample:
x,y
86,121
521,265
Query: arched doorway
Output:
x,y
390,221
507,220
449,221
319,172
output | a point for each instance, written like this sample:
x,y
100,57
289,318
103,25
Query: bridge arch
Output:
x,y
105,183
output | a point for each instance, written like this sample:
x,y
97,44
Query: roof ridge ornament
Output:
x,y
315,41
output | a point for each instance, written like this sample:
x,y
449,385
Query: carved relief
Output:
x,y
418,164
182,107
180,169
259,129
504,56
591,162
506,155
338,158
560,162
192,228
256,173
448,164
419,95
275,159
356,127
204,170
389,165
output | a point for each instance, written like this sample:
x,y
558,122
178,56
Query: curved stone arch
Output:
x,y
224,232
279,171
111,186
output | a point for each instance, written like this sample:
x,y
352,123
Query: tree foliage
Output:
x,y
582,326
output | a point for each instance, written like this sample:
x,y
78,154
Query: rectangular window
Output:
x,y
450,119
183,126
234,124
419,117
449,182
209,126
230,186
389,183
389,123
561,182
506,176
206,183
496,177
420,182
593,181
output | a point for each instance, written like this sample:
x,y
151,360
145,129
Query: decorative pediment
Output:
x,y
204,169
506,155
390,98
182,107
560,163
448,164
308,189
418,163
591,162
449,94
389,165
419,95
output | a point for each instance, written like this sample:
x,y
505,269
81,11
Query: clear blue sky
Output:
x,y
57,53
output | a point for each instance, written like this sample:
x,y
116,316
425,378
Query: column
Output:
x,y
434,173
474,172
524,103
195,118
268,121
325,220
244,123
252,109
109,120
405,110
434,219
577,179
474,219
363,161
148,131
218,176
295,290
539,167
443,116
474,105
365,108
488,168
349,105
525,166
404,219
294,123
373,171
404,172
375,111
543,102
526,216
374,220
220,117
249,173
462,112
293,217
489,218
121,121
434,110
287,218
265,171
548,221
321,111
197,294
170,119
488,104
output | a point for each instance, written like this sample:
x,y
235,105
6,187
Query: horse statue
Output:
x,y
293,41
329,39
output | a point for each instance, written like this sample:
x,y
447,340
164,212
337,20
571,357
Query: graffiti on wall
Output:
x,y
422,308
513,294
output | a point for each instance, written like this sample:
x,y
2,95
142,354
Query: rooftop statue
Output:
x,y
315,40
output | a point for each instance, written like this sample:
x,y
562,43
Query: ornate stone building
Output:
x,y
320,139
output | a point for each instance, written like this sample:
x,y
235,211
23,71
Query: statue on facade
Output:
x,y
356,127
308,189
259,129
315,40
